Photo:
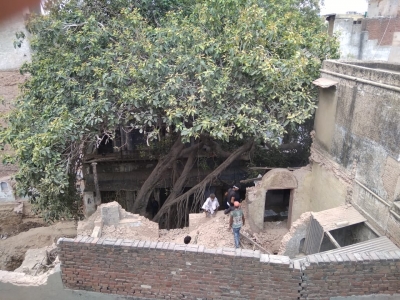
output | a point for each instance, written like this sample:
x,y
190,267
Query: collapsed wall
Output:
x,y
292,241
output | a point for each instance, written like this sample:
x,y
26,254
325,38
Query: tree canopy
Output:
x,y
207,69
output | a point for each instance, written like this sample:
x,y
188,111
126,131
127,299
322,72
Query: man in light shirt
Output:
x,y
211,205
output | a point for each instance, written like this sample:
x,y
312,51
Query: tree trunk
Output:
x,y
177,150
205,181
180,183
140,204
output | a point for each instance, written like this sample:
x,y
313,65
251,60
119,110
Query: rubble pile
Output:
x,y
211,232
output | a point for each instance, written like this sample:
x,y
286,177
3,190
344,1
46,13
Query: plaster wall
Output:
x,y
327,191
301,195
325,116
11,58
379,8
350,36
376,37
365,144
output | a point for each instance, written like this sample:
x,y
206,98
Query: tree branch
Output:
x,y
238,152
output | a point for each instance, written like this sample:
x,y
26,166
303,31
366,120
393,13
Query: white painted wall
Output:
x,y
11,58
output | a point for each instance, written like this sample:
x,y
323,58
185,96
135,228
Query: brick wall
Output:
x,y
160,270
165,270
326,276
381,29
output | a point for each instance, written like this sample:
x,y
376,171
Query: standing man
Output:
x,y
236,221
211,205
232,196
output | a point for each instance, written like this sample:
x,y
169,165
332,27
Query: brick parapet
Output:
x,y
349,274
157,270
147,269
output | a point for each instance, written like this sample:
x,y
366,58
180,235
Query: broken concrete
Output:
x,y
111,220
35,260
293,240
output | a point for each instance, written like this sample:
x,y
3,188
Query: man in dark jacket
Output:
x,y
232,196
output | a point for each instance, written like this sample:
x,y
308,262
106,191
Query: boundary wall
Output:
x,y
162,270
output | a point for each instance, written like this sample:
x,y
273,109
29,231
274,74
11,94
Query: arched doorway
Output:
x,y
272,198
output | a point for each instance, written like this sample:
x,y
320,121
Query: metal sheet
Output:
x,y
315,234
375,245
380,244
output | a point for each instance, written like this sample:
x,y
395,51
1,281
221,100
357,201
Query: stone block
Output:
x,y
110,213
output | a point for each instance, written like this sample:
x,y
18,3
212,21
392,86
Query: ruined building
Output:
x,y
343,209
355,156
374,36
119,167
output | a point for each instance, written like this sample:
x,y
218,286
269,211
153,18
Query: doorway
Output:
x,y
277,205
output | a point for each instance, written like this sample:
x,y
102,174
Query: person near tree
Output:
x,y
231,196
211,205
236,221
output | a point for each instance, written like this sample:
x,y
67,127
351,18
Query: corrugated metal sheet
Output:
x,y
380,244
338,217
315,234
375,245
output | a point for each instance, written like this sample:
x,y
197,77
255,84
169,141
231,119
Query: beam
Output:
x,y
329,235
255,244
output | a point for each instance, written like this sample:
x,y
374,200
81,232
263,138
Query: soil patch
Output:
x,y
13,249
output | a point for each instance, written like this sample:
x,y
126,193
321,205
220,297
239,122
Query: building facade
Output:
x,y
374,36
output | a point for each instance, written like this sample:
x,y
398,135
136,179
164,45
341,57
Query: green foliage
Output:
x,y
229,69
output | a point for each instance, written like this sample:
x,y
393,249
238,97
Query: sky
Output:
x,y
343,6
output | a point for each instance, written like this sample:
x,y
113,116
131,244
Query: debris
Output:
x,y
254,244
19,209
14,248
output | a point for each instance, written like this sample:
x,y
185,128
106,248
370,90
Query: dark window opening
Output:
x,y
276,205
108,196
106,146
352,234
301,246
326,244
4,187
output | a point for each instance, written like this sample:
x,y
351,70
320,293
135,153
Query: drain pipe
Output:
x,y
385,86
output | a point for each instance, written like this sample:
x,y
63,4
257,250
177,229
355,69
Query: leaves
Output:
x,y
228,69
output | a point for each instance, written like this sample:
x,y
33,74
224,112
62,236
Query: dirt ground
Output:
x,y
12,223
13,249
20,232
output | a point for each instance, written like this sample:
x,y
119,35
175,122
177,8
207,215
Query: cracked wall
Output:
x,y
356,158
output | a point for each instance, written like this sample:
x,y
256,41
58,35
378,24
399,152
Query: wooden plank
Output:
x,y
255,244
332,239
